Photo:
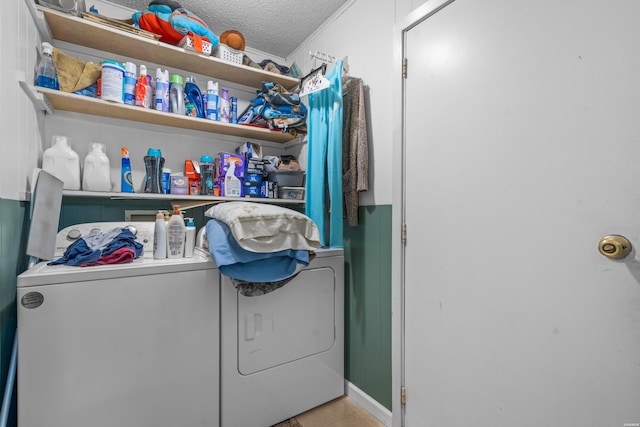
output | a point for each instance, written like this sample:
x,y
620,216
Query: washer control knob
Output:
x,y
73,234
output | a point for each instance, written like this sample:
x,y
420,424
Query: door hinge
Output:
x,y
404,68
403,395
403,234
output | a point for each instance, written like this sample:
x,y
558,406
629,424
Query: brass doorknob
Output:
x,y
614,246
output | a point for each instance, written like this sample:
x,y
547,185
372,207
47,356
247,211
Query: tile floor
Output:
x,y
341,412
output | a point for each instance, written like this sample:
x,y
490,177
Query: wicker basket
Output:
x,y
229,54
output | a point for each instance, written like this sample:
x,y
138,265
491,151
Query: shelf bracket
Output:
x,y
41,23
39,101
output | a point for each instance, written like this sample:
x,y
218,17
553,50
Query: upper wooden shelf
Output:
x,y
59,100
83,32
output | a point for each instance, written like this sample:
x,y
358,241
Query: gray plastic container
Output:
x,y
287,178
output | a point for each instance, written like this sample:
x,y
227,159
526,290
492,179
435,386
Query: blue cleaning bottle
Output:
x,y
46,75
193,96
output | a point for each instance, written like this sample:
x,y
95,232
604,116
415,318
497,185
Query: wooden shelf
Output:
x,y
182,200
83,32
65,101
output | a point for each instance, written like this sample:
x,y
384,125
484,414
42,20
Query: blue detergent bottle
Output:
x,y
193,95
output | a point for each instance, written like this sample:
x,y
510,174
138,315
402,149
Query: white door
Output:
x,y
522,150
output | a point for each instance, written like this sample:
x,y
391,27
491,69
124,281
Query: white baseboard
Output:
x,y
361,398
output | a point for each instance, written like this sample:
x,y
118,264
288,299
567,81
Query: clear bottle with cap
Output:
x,y
176,95
176,231
96,175
190,238
61,161
160,237
206,175
46,75
153,162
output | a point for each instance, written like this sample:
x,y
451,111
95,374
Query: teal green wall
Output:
x,y
77,210
13,261
368,303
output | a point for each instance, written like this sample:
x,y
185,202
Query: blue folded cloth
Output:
x,y
238,263
88,249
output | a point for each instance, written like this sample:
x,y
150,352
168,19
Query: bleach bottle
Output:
x,y
62,162
97,173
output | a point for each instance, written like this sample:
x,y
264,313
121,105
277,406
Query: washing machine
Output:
x,y
282,353
128,345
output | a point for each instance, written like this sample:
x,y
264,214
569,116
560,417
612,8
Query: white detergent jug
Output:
x,y
97,172
62,162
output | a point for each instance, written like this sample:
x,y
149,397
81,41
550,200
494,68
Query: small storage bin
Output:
x,y
229,54
286,178
296,193
187,44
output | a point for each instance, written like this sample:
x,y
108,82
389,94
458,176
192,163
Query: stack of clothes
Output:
x,y
116,246
261,247
276,108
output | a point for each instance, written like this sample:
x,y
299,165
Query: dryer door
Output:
x,y
290,323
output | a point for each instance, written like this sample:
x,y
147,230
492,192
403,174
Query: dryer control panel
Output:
x,y
142,230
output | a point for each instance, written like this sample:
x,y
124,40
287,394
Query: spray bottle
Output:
x,y
232,184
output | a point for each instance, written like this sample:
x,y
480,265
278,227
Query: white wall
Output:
x,y
21,125
363,31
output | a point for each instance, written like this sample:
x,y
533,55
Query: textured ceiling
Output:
x,y
277,27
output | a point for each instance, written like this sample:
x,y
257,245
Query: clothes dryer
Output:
x,y
132,344
282,353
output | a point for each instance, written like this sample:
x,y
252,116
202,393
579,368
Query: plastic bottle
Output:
x,y
61,161
166,180
206,175
232,184
223,108
176,95
233,103
162,90
212,100
144,92
129,83
112,78
194,96
176,231
190,238
160,237
153,162
46,75
97,171
126,179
